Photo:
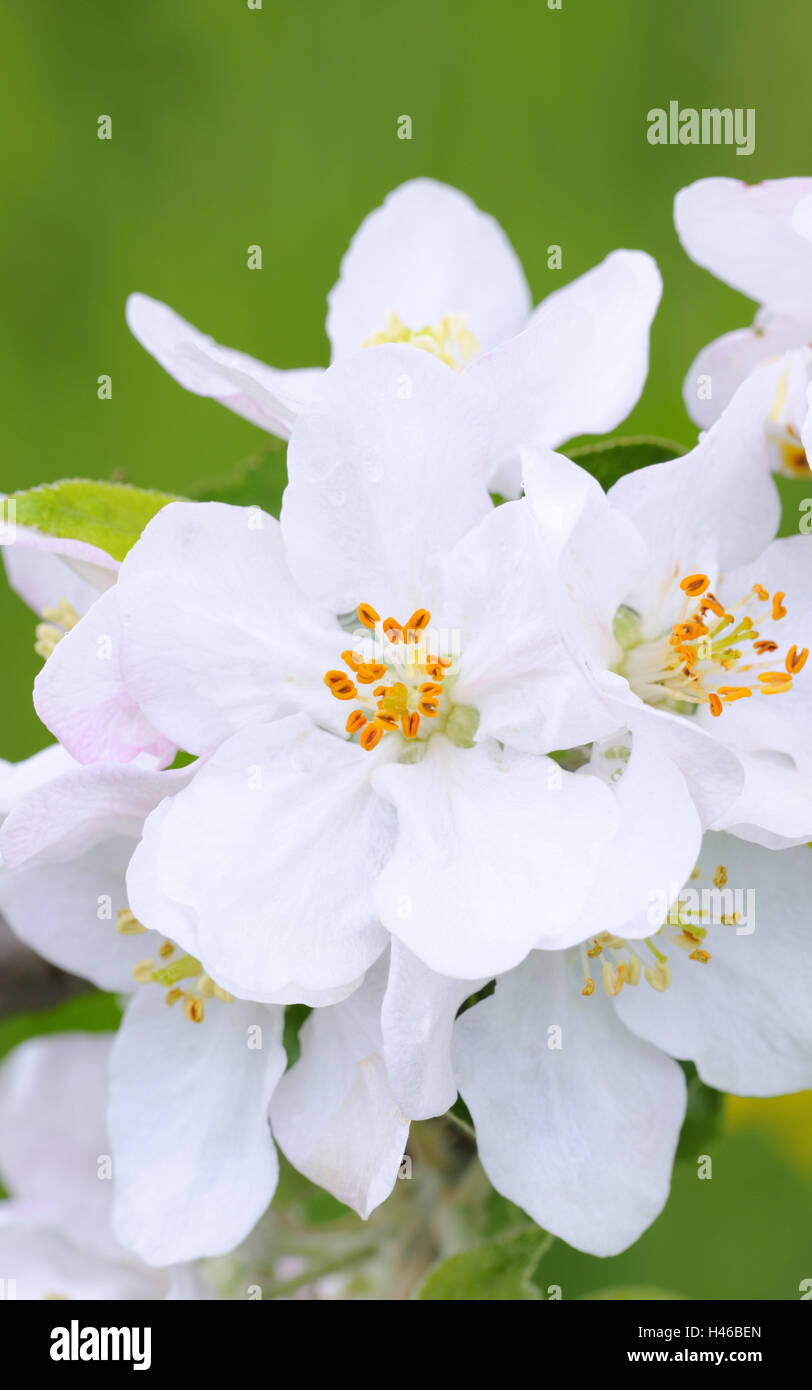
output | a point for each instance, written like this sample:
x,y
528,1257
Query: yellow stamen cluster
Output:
x,y
172,969
450,339
708,640
57,620
621,964
400,705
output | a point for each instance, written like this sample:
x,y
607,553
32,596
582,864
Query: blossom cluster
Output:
x,y
505,778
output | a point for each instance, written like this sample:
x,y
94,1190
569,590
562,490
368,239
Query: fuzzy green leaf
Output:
x,y
110,516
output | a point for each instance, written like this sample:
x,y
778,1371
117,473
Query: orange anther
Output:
x,y
715,705
795,660
712,603
368,616
355,721
702,956
764,646
779,611
431,688
418,622
410,723
393,629
734,692
340,685
694,585
385,721
369,671
352,659
776,677
428,706
371,737
761,592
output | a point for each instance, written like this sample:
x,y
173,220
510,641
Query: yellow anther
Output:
x,y
144,970
658,976
193,1008
165,951
127,924
172,996
450,339
589,986
702,956
720,877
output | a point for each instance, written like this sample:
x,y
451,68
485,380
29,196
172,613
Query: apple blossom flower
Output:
x,y
575,1097
691,620
189,1084
56,1236
428,268
758,240
406,783
58,577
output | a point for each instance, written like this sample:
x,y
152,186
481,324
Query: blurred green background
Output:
x,y
277,126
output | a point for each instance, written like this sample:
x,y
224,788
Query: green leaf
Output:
x,y
258,481
610,459
108,515
500,1270
703,1116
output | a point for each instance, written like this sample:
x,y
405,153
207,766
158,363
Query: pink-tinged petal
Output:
x,y
719,369
215,633
81,697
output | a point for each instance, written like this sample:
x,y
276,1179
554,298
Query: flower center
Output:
x,y
686,925
174,969
783,434
410,683
57,621
708,648
449,339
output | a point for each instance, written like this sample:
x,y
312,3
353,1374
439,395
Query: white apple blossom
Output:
x,y
758,240
195,1165
56,1235
575,1097
428,268
692,621
410,789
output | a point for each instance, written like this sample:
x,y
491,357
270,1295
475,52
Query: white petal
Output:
x,y
658,839
581,1135
264,395
387,470
65,849
216,633
428,251
722,366
18,779
44,569
81,697
580,365
777,722
514,667
417,1020
745,236
334,1115
47,1264
744,1017
774,807
718,503
53,1132
494,850
193,1160
261,867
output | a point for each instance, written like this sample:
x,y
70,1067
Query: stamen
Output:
x,y
694,585
795,660
450,339
355,722
779,611
368,616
